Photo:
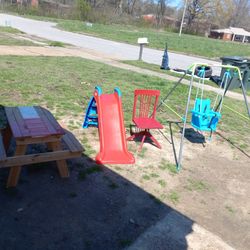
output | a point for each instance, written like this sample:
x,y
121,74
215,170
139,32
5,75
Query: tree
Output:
x,y
241,13
161,11
232,13
131,6
197,10
83,8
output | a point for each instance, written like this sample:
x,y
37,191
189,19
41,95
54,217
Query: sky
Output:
x,y
175,3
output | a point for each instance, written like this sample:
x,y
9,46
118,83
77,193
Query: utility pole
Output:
x,y
183,17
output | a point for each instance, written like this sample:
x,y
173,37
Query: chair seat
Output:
x,y
205,121
147,123
211,113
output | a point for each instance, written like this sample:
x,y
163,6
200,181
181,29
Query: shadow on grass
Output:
x,y
95,208
194,136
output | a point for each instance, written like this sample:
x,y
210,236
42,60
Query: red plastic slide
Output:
x,y
113,144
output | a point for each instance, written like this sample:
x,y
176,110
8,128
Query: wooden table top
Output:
x,y
33,121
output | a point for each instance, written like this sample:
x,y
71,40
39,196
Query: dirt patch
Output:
x,y
211,189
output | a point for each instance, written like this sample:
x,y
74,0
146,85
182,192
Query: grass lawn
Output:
x,y
8,29
154,67
7,37
65,85
188,44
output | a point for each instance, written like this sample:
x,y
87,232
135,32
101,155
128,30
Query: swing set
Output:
x,y
205,115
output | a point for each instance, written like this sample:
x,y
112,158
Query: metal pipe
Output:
x,y
183,17
184,124
171,90
245,97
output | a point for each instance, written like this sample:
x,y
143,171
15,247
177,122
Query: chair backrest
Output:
x,y
202,106
145,103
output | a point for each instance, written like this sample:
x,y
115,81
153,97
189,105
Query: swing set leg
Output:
x,y
210,136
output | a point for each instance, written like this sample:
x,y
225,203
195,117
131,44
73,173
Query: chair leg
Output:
x,y
142,142
135,135
154,140
144,134
131,138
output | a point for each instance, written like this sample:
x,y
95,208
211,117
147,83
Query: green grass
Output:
x,y
156,68
94,169
188,44
7,37
165,165
154,175
151,66
146,177
56,44
88,148
174,197
162,183
230,209
10,30
196,185
55,83
82,174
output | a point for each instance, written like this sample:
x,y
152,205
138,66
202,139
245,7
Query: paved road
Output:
x,y
112,49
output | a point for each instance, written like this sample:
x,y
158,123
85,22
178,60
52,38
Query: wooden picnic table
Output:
x,y
36,125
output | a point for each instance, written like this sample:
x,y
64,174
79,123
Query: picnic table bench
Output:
x,y
35,125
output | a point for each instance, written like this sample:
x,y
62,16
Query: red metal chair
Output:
x,y
144,112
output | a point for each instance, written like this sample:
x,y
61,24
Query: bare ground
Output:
x,y
212,188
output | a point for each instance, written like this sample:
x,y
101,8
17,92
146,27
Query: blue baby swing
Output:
x,y
205,117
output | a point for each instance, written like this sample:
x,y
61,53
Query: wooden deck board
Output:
x,y
54,126
20,122
42,125
2,150
49,123
39,158
72,150
72,143
12,120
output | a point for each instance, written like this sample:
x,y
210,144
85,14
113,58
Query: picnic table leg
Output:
x,y
15,171
61,164
6,137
